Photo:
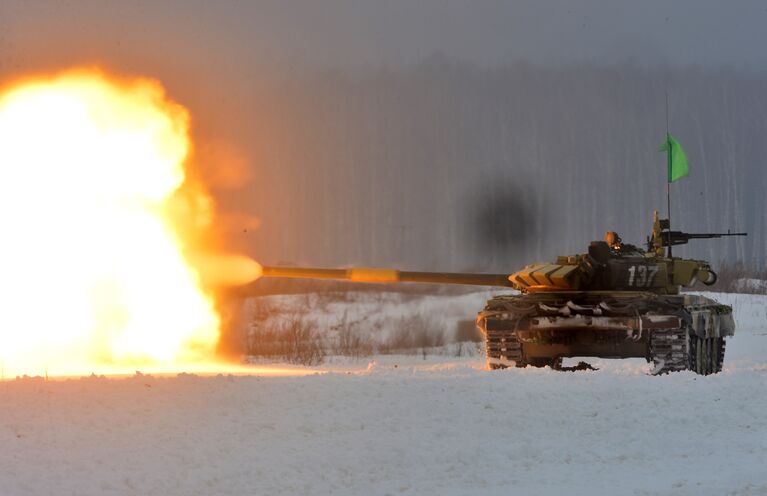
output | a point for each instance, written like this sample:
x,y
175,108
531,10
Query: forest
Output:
x,y
454,166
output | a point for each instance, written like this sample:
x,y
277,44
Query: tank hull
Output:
x,y
676,332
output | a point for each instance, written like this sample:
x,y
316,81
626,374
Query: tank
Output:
x,y
616,300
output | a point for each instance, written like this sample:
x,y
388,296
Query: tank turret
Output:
x,y
612,265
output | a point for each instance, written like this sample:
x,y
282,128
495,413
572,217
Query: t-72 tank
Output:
x,y
615,301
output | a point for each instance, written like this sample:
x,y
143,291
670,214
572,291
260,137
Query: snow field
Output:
x,y
399,425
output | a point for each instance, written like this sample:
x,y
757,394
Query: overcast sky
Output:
x,y
339,33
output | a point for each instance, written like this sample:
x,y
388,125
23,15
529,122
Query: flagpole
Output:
x,y
668,179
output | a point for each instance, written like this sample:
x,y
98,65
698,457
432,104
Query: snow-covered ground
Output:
x,y
378,317
400,425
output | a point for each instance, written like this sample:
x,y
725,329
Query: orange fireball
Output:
x,y
94,268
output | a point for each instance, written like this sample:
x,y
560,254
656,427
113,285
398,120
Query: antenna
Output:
x,y
668,178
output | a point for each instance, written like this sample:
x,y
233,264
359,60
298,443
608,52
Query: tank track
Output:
x,y
707,355
674,350
670,350
503,349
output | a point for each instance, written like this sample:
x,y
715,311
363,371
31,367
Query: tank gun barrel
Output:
x,y
377,275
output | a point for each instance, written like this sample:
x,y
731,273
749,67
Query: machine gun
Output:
x,y
663,236
674,238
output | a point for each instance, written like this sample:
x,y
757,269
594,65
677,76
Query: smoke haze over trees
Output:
x,y
445,135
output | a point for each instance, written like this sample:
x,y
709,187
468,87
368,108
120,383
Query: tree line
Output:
x,y
446,165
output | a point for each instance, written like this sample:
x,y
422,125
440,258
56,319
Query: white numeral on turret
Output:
x,y
653,269
642,276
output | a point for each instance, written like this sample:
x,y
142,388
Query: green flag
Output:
x,y
677,160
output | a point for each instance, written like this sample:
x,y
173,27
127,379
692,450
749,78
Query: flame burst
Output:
x,y
94,253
